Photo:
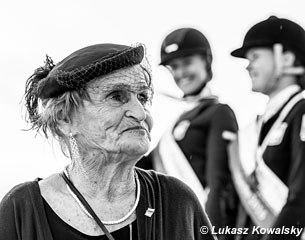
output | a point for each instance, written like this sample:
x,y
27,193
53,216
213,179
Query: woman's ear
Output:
x,y
65,127
64,123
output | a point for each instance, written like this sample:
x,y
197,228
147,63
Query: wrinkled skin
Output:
x,y
116,120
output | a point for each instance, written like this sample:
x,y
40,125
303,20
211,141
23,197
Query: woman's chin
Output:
x,y
136,148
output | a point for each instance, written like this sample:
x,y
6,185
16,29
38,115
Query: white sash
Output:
x,y
251,201
264,205
171,160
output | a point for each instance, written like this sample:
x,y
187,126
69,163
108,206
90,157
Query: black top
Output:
x,y
177,215
63,231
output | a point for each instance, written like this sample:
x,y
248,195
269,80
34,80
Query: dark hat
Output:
x,y
183,42
271,31
86,64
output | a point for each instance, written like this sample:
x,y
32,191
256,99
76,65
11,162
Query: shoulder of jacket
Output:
x,y
222,110
297,110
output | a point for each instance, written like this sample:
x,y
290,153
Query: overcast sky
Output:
x,y
31,29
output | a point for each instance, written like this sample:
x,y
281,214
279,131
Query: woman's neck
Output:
x,y
108,177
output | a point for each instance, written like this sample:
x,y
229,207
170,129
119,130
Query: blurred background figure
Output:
x,y
194,149
273,195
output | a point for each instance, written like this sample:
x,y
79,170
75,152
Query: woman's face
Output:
x,y
189,72
117,119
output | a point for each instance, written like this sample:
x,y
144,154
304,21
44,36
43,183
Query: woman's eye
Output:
x,y
187,61
118,96
144,99
172,67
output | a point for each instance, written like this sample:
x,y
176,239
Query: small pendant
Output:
x,y
149,212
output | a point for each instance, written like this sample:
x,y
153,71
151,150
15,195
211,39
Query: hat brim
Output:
x,y
181,53
240,52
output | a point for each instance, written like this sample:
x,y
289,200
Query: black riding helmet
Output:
x,y
185,42
271,31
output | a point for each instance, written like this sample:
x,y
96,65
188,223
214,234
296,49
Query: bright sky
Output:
x,y
31,29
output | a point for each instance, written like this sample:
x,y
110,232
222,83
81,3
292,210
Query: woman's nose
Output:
x,y
135,109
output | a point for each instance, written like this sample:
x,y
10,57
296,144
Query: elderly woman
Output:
x,y
94,102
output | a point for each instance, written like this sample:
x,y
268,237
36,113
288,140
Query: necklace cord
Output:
x,y
86,205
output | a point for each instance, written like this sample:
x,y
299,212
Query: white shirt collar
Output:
x,y
277,101
206,92
193,101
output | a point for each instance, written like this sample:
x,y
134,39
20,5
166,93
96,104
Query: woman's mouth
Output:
x,y
138,129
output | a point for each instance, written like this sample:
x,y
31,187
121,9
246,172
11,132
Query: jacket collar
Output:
x,y
277,101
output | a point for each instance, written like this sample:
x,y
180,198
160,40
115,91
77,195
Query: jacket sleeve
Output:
x,y
221,206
